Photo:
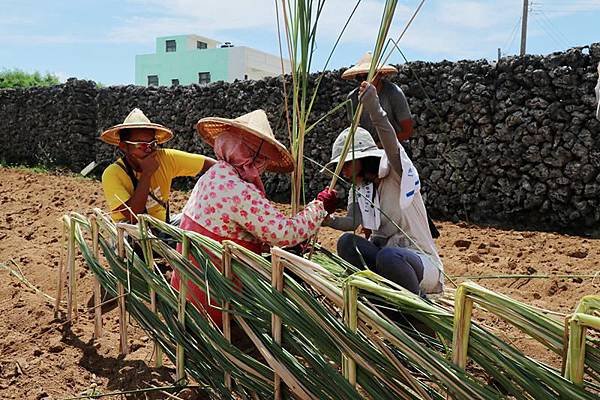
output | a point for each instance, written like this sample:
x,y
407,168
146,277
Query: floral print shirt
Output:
x,y
232,208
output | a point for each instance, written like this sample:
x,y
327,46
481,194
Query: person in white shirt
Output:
x,y
388,201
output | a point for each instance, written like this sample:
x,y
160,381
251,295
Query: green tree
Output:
x,y
17,78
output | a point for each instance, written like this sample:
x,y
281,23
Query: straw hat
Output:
x,y
254,123
364,146
136,119
364,64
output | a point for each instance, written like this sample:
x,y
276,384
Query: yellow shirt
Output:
x,y
118,187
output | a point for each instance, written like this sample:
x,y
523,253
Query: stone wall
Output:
x,y
512,143
49,126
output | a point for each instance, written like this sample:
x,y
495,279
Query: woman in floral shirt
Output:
x,y
229,202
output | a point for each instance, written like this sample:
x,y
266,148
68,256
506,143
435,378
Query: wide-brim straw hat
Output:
x,y
254,123
136,119
363,66
364,146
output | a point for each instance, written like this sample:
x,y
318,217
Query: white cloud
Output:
x,y
209,18
442,28
62,76
25,39
554,9
213,17
472,14
15,20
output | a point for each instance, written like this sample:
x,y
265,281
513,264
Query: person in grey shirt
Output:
x,y
391,98
392,101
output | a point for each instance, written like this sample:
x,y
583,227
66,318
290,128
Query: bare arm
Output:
x,y
208,162
385,131
137,203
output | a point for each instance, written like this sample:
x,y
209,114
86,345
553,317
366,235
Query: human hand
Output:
x,y
148,164
368,95
329,199
301,248
367,232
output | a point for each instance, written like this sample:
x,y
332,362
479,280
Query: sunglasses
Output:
x,y
144,146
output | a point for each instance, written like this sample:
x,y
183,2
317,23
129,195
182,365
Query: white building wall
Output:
x,y
210,43
248,63
237,62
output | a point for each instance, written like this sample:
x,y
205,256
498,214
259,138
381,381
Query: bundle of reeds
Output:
x,y
579,352
381,359
301,20
315,330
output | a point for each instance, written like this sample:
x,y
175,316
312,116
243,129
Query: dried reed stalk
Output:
x,y
72,287
61,266
351,319
123,346
181,306
277,283
463,309
97,291
149,259
578,323
226,261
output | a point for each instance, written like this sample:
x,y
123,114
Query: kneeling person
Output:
x,y
229,201
387,200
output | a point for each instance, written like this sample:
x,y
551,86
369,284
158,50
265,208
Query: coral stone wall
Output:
x,y
514,143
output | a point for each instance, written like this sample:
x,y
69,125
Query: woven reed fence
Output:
x,y
312,325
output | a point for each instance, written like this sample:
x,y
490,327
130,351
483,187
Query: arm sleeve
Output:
x,y
181,163
118,189
399,103
385,131
349,222
260,218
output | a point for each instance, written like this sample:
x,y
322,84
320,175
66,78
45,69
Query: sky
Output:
x,y
98,39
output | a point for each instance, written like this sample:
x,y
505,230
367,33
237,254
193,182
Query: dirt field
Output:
x,y
40,359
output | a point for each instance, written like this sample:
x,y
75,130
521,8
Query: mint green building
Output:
x,y
188,59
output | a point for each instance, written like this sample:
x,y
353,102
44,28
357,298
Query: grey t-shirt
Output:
x,y
392,101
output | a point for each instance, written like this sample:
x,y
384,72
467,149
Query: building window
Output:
x,y
171,46
200,45
203,77
175,82
152,80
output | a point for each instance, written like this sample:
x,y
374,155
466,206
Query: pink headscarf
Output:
x,y
232,148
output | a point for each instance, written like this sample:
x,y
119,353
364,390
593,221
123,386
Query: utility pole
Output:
x,y
524,27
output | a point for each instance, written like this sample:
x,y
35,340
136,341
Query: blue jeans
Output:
x,y
397,264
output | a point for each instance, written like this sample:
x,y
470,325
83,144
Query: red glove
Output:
x,y
329,199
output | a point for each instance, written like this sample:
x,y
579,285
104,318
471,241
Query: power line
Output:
x,y
548,32
567,7
511,38
554,27
548,26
